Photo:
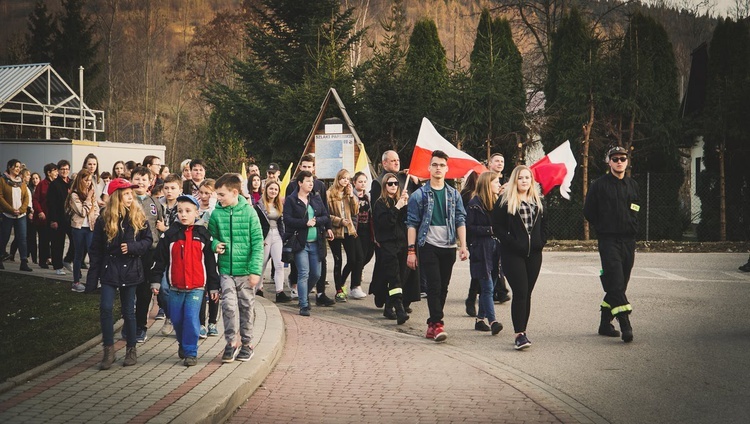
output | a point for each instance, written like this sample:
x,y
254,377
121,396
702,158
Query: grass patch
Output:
x,y
42,319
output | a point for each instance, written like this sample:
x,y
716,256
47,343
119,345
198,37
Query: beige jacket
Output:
x,y
340,208
81,209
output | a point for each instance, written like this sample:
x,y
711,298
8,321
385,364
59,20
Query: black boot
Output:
x,y
25,265
605,326
388,309
627,330
401,315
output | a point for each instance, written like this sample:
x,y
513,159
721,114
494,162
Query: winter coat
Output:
x,y
81,209
389,222
260,208
6,195
514,238
295,218
612,206
340,208
239,227
56,195
185,253
39,201
484,249
108,264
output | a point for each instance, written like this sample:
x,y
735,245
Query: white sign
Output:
x,y
333,152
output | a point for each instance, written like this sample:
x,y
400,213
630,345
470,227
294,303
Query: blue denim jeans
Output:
x,y
185,306
163,297
127,305
308,271
82,240
486,301
19,224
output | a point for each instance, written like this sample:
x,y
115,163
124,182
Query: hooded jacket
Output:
x,y
185,253
239,227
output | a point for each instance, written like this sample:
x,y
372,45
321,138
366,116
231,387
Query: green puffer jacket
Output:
x,y
239,227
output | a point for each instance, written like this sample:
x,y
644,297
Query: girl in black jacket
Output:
x,y
484,254
389,215
518,221
121,237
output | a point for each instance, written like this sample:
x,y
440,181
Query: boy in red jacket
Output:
x,y
185,252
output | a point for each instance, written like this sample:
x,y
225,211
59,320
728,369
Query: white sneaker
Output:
x,y
60,272
357,293
68,266
294,294
167,328
78,288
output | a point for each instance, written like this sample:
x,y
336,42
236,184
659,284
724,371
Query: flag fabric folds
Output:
x,y
363,165
285,181
556,169
429,140
243,172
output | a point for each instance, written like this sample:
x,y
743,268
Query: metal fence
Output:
x,y
668,211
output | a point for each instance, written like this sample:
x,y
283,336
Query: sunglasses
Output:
x,y
619,159
392,183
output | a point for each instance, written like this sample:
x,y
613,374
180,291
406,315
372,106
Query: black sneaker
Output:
x,y
246,352
259,293
471,307
44,266
305,312
190,361
281,297
230,353
481,326
522,342
180,353
496,327
745,268
324,300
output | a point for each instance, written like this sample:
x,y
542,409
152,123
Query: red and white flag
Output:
x,y
429,140
556,169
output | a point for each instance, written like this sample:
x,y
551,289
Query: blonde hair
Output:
x,y
116,210
337,190
483,190
511,196
384,193
276,202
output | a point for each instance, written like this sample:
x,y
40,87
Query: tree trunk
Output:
x,y
722,193
586,143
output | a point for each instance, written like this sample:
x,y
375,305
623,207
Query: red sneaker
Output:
x,y
440,334
430,331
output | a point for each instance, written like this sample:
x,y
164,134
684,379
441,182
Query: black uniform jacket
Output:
x,y
612,206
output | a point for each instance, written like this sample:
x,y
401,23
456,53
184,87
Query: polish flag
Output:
x,y
556,169
429,140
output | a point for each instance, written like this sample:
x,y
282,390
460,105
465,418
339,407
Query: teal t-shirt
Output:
x,y
312,232
438,210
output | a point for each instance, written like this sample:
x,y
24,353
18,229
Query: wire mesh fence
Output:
x,y
670,210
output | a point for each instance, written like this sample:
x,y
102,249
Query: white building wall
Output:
x,y
696,152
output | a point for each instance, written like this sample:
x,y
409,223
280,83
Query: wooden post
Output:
x,y
722,193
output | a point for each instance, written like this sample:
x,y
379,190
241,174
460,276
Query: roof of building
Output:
x,y
25,83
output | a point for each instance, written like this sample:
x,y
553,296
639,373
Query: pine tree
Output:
x,y
495,99
726,130
42,28
75,45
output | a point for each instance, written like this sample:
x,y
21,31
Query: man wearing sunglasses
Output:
x,y
612,206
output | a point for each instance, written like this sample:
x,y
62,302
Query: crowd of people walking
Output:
x,y
201,245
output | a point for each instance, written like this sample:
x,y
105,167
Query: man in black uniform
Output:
x,y
612,207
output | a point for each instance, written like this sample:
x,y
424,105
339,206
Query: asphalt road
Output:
x,y
689,362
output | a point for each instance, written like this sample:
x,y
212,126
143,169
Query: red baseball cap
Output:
x,y
117,184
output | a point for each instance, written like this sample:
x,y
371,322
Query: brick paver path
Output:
x,y
333,372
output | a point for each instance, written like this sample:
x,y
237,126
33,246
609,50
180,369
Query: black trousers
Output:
x,y
522,273
44,243
364,246
436,265
57,242
213,310
353,260
617,256
143,293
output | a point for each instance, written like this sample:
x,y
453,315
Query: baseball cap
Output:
x,y
117,184
188,198
273,167
617,150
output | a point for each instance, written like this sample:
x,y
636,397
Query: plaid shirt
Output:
x,y
527,212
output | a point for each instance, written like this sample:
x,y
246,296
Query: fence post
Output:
x,y
648,202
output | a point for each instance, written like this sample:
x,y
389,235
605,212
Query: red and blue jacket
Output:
x,y
184,252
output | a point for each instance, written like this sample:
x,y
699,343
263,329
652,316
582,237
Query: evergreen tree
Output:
x,y
75,45
426,79
298,51
42,29
383,96
572,92
726,128
495,101
649,105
